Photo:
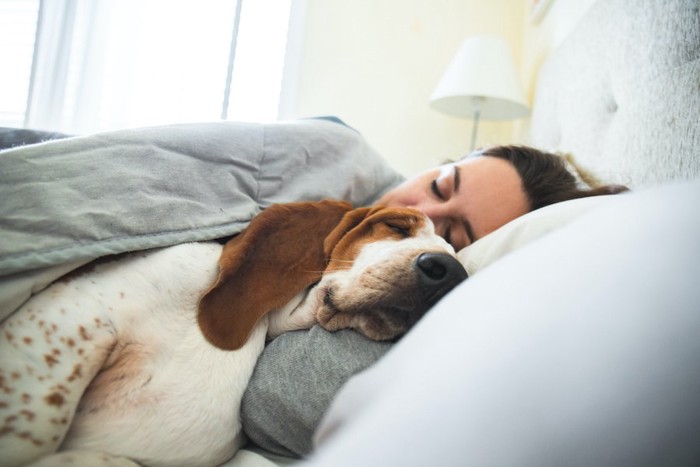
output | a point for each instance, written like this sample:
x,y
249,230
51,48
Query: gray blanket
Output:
x,y
67,202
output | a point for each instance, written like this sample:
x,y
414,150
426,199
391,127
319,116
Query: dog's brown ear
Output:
x,y
261,269
351,220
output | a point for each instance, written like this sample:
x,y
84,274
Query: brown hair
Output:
x,y
545,177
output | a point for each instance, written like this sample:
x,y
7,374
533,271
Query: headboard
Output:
x,y
622,92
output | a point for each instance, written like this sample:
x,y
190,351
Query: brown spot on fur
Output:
x,y
41,323
4,405
121,294
70,342
10,418
26,398
62,388
15,375
77,373
84,334
9,336
56,352
6,430
55,399
50,360
28,436
5,388
28,414
27,340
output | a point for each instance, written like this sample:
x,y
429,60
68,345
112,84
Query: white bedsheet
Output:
x,y
582,348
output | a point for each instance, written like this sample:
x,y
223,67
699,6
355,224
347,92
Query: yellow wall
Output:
x,y
374,63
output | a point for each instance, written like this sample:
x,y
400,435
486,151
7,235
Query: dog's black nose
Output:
x,y
438,273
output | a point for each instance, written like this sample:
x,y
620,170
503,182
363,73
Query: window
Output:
x,y
17,26
124,63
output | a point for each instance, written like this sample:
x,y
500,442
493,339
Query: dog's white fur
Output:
x,y
113,360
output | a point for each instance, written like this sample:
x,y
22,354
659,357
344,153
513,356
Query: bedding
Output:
x,y
581,348
621,93
70,201
282,420
575,341
15,137
609,384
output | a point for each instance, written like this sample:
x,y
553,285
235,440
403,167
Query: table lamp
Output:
x,y
481,82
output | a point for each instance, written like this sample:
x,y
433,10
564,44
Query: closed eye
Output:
x,y
399,227
404,232
436,190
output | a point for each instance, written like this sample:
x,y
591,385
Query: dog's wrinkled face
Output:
x,y
377,270
385,273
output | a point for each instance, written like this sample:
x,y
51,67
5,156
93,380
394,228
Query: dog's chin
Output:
x,y
378,323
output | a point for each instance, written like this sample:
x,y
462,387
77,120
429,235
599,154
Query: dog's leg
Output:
x,y
83,458
50,349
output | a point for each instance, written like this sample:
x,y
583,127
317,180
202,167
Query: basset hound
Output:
x,y
143,359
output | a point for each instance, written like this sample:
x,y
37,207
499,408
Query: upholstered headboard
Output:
x,y
622,92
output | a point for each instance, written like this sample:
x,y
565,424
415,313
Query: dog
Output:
x,y
143,359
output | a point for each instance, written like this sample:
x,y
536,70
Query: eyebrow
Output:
x,y
467,225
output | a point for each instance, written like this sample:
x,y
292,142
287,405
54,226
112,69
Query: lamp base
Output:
x,y
475,125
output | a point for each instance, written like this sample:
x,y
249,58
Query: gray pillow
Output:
x,y
294,381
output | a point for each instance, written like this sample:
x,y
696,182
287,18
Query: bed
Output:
x,y
575,341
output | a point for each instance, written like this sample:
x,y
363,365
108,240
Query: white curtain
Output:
x,y
111,64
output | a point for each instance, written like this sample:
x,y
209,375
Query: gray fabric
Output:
x,y
622,92
142,188
67,202
81,198
294,382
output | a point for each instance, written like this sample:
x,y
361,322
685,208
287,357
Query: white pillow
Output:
x,y
588,358
524,230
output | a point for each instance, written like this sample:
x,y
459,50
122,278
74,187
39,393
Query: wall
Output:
x,y
374,63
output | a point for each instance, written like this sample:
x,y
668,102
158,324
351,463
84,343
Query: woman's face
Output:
x,y
465,200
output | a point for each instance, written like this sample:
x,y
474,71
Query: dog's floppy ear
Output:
x,y
261,269
351,220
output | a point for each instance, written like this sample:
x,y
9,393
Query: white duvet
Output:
x,y
581,348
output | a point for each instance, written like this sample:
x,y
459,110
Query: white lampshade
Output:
x,y
481,78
